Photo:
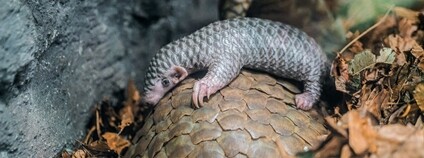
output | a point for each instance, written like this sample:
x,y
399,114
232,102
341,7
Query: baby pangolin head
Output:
x,y
159,81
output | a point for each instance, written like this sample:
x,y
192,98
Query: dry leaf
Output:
x,y
361,62
400,45
127,112
418,52
99,146
406,13
132,92
407,27
339,69
357,126
346,152
79,154
116,142
386,56
419,96
331,147
339,128
399,141
127,117
355,48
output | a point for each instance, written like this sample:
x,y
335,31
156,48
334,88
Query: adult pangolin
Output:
x,y
224,47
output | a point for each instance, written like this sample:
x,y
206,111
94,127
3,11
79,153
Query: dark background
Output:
x,y
59,58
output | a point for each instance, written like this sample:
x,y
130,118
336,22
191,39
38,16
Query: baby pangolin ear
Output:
x,y
178,73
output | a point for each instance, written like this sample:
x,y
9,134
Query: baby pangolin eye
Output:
x,y
165,82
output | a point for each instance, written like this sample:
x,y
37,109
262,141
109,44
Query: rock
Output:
x,y
59,58
254,116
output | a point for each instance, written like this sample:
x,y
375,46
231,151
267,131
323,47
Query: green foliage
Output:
x,y
361,14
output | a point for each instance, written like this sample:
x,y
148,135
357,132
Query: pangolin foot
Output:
x,y
304,101
202,89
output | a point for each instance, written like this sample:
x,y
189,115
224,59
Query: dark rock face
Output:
x,y
58,58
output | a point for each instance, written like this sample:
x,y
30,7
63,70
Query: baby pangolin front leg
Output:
x,y
224,47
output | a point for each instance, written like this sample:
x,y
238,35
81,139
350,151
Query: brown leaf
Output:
x,y
339,70
406,13
418,52
373,100
407,27
116,142
99,146
357,126
331,147
356,47
132,92
127,112
370,75
346,152
419,96
400,45
127,117
339,128
79,154
399,141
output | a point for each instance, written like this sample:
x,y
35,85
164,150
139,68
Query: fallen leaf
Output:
x,y
406,13
418,52
387,56
339,69
127,117
79,154
399,141
346,152
99,145
116,142
373,99
332,147
357,126
127,112
355,48
419,95
361,61
400,45
339,128
407,27
132,92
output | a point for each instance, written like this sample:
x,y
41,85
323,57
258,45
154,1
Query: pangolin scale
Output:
x,y
223,48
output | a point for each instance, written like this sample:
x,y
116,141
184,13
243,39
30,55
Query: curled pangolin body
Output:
x,y
251,117
224,47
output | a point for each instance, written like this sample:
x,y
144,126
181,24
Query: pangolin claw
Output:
x,y
200,90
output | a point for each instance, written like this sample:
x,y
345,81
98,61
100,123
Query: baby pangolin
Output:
x,y
224,47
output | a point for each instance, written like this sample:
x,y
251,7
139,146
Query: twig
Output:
x,y
368,30
89,135
99,133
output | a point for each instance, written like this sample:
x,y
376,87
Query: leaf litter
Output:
x,y
381,77
111,130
